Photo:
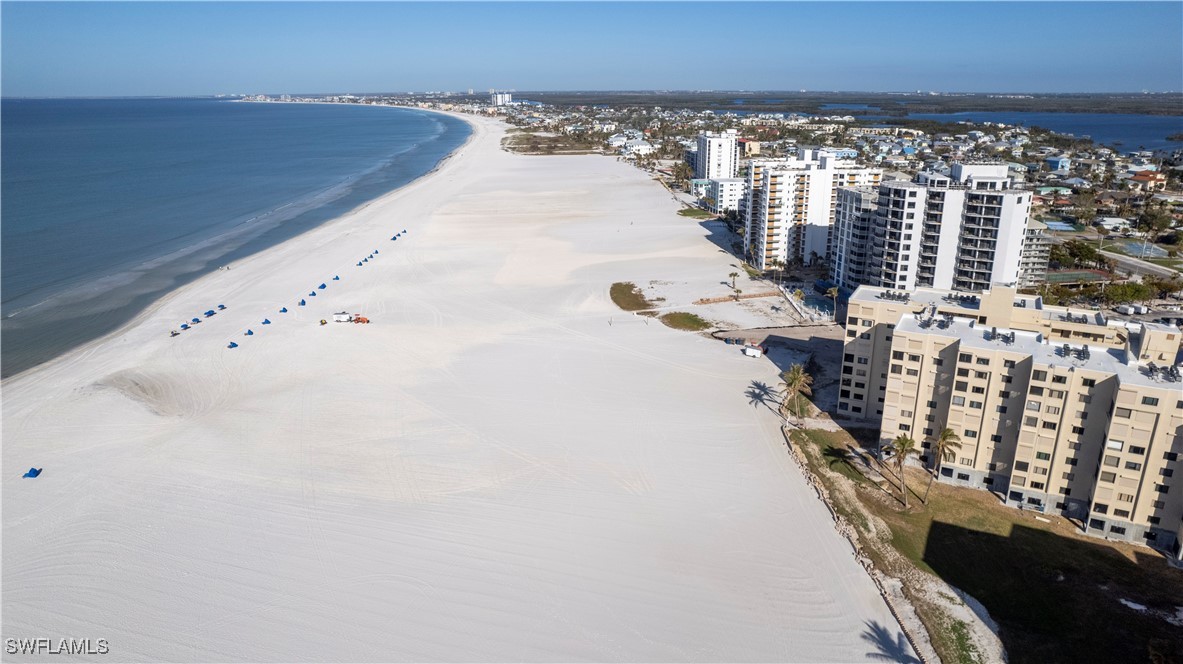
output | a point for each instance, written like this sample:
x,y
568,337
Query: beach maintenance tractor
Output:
x,y
358,318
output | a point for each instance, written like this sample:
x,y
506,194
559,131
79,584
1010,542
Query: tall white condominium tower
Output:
x,y
500,98
962,231
789,206
718,155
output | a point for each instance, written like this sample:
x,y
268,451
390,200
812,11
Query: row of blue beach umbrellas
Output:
x,y
303,302
195,320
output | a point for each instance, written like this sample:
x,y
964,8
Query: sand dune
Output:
x,y
502,466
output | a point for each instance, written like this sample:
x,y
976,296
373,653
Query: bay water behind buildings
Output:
x,y
109,204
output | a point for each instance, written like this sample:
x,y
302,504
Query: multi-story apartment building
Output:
x,y
717,156
789,205
854,224
723,194
963,231
1057,410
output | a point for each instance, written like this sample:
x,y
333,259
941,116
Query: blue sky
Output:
x,y
149,48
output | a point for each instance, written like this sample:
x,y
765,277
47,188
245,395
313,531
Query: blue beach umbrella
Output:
x,y
232,345
394,238
284,310
302,303
322,286
336,278
404,230
209,313
312,294
195,320
249,333
266,321
33,473
359,263
184,326
221,306
365,260
375,251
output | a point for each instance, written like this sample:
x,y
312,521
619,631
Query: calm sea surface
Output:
x,y
107,205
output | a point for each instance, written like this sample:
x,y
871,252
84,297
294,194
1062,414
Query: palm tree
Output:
x,y
733,276
947,441
795,383
899,450
832,292
738,292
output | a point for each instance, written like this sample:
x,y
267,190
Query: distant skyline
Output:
x,y
174,49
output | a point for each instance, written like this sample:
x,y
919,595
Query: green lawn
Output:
x,y
680,320
696,213
627,296
1054,592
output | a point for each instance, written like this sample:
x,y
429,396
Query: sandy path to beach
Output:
x,y
502,466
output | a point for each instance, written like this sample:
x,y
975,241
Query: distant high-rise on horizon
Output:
x,y
500,98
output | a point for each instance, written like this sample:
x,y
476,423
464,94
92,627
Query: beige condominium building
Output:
x,y
1058,409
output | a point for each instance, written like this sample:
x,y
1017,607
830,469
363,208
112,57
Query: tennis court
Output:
x,y
1076,276
1061,226
1134,248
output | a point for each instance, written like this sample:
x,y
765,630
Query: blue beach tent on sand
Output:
x,y
33,472
322,286
283,310
336,278
266,321
302,303
249,333
232,345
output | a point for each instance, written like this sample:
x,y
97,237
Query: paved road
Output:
x,y
1132,265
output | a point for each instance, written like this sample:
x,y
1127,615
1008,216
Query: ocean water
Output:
x,y
107,205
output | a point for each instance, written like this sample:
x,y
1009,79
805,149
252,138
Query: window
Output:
x,y
897,368
1152,520
1096,524
1122,412
983,360
1052,410
963,373
905,427
995,439
848,357
1100,508
970,433
1117,530
912,372
905,413
1030,421
958,401
1171,456
1134,449
1121,514
1040,471
1088,382
975,404
865,323
1007,379
1166,472
897,355
1056,394
960,386
981,375
1149,401
932,404
1125,497
978,390
1059,379
1071,461
1051,426
1033,405
1068,476
1115,445
1001,409
938,362
1039,375
1133,465
1084,398
913,358
1036,391
1021,466
1042,456
1110,461
1009,364
1078,430
1039,487
964,477
1162,488
967,461
965,357
864,360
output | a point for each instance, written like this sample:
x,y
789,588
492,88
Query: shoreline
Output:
x,y
146,312
500,452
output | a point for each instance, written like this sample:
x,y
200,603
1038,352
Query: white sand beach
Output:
x,y
502,466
